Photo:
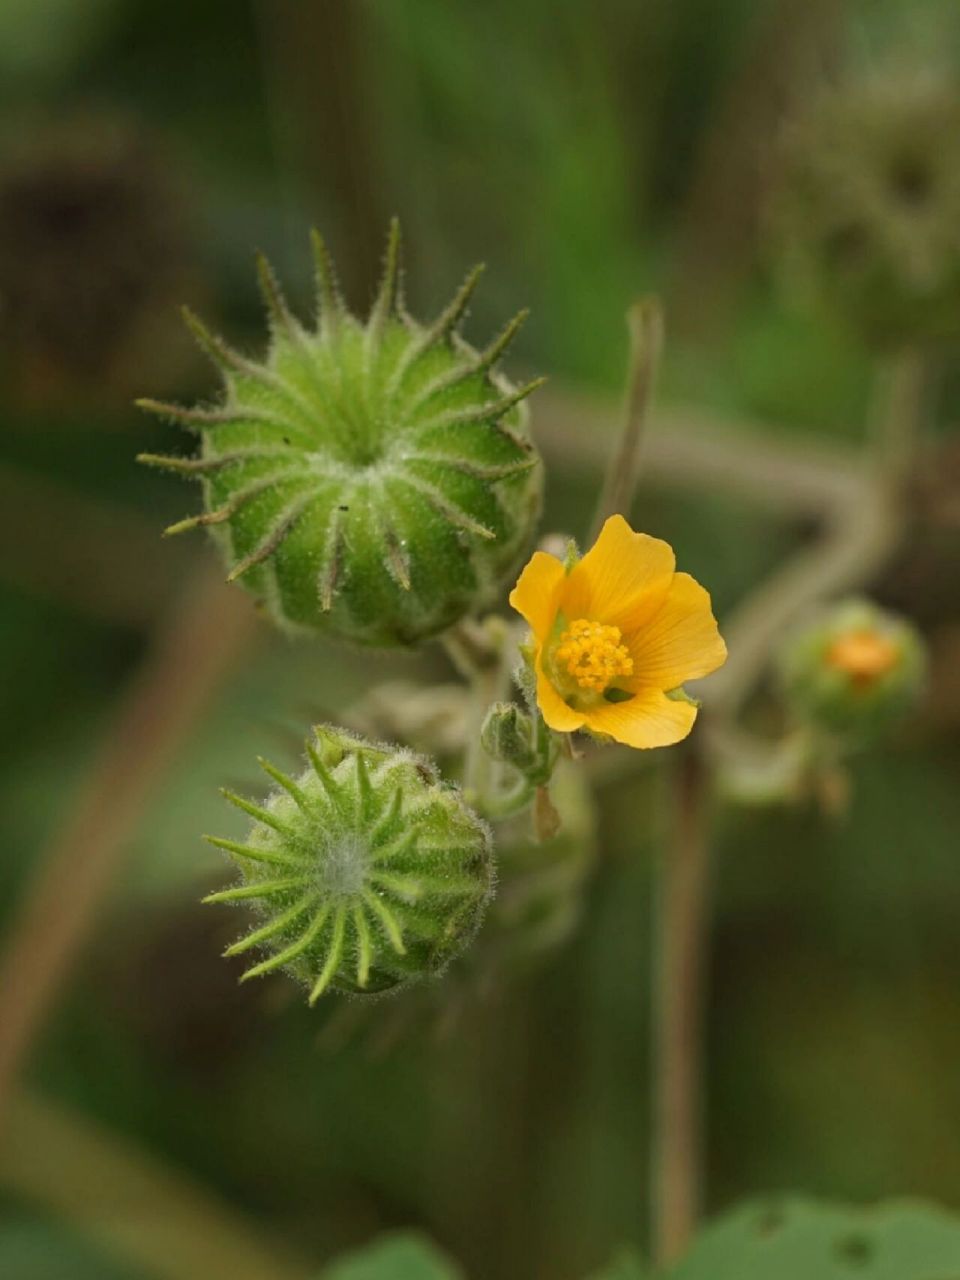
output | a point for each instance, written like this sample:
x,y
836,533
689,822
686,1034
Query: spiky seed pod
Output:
x,y
868,205
853,670
542,890
373,480
368,872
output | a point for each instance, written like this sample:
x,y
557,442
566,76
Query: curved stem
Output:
x,y
865,530
678,1005
508,804
853,549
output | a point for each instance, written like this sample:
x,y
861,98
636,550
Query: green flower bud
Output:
x,y
869,205
507,735
853,671
372,480
368,872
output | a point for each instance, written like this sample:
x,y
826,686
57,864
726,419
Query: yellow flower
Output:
x,y
615,635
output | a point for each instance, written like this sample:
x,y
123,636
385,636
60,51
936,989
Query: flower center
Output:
x,y
864,655
593,655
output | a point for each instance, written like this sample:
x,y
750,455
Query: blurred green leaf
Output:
x,y
796,1239
47,40
405,1256
31,1249
625,1266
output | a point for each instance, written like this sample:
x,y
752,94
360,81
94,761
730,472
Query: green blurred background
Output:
x,y
589,153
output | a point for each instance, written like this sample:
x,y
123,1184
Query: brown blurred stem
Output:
x,y
679,964
862,533
645,325
139,1209
694,449
188,658
902,387
112,567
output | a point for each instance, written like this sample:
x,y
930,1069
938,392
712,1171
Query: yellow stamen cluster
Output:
x,y
864,655
593,654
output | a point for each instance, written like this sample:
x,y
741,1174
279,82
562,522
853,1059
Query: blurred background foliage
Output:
x,y
588,153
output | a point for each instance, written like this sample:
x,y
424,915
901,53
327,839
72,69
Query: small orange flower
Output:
x,y
864,655
615,635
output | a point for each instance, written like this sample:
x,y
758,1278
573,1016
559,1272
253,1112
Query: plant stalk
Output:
x,y
679,971
479,655
645,325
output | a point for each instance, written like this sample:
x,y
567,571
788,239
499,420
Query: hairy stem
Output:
x,y
679,967
480,656
645,324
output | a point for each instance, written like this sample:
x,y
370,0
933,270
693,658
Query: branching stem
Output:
x,y
863,533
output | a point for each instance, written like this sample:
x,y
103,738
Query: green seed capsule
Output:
x,y
372,480
367,871
541,895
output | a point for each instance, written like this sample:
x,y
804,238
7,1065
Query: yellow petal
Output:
x,y
553,708
680,642
650,719
622,580
535,595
